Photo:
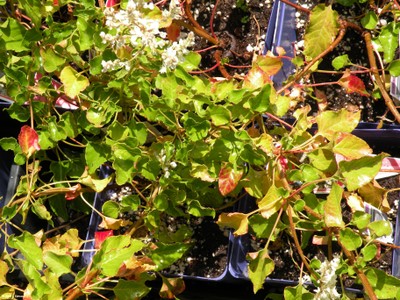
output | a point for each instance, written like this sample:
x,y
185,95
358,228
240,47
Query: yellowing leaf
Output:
x,y
114,224
332,122
350,146
322,30
332,209
272,201
269,63
73,82
237,221
355,202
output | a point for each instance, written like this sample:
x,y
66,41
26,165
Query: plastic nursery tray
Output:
x,y
95,220
281,32
241,245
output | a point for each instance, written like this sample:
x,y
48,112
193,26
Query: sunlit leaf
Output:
x,y
360,171
73,82
370,20
349,239
235,220
341,61
332,122
384,285
272,201
269,63
381,228
26,243
322,30
260,266
350,146
59,264
332,208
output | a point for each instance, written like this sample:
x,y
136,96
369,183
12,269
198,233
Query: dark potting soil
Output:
x,y
209,252
236,24
333,96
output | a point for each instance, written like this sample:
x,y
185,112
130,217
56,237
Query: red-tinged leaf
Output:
x,y
73,192
173,32
55,2
269,63
256,78
28,140
353,84
228,179
111,3
100,237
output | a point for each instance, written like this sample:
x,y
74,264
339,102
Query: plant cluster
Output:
x,y
185,143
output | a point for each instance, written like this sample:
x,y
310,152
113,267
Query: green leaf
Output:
x,y
369,252
26,243
220,115
360,171
51,60
260,266
196,209
349,239
341,61
86,33
130,289
96,154
191,62
389,41
265,228
13,34
332,122
196,128
114,251
166,254
361,219
394,68
385,286
3,272
332,208
381,228
33,10
35,279
321,31
73,82
111,209
351,147
298,292
323,160
235,220
59,264
261,102
370,20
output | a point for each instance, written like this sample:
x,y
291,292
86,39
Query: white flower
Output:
x,y
173,164
327,282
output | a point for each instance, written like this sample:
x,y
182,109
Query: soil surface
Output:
x,y
239,25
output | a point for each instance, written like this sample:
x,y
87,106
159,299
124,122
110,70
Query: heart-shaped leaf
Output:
x,y
353,84
73,82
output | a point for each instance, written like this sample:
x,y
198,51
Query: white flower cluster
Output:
x,y
137,28
327,282
166,164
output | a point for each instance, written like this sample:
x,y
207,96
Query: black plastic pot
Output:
x,y
95,220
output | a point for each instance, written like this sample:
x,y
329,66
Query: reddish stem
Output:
x,y
212,18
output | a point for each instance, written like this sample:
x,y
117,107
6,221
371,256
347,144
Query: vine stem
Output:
x,y
372,61
296,6
297,243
